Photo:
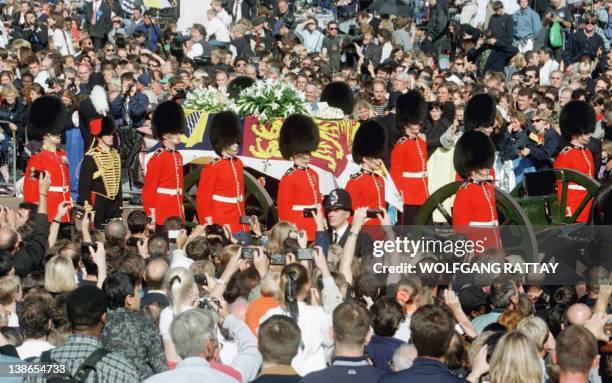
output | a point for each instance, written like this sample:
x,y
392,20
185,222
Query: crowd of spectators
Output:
x,y
180,303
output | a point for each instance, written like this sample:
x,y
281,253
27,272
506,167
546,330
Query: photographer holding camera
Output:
x,y
37,34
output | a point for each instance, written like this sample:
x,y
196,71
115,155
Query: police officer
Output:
x,y
46,120
367,187
220,197
162,194
298,191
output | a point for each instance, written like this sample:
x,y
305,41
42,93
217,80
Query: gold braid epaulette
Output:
x,y
109,168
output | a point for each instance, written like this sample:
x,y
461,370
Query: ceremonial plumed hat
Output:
x,y
480,111
237,85
338,94
168,117
102,126
473,151
299,134
225,131
47,116
411,108
576,118
370,141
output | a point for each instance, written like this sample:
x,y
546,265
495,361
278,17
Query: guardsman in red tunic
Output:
x,y
47,118
367,187
220,197
577,121
479,114
162,194
298,190
409,155
474,209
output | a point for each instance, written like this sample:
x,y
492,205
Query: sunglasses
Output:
x,y
534,121
591,22
109,50
333,29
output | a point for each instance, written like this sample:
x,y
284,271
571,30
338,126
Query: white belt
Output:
x,y
484,224
58,189
169,191
220,198
575,187
302,207
414,175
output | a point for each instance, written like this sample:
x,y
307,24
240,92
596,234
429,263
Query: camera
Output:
x,y
176,45
373,213
77,212
248,252
214,229
207,303
85,247
310,212
35,173
306,254
133,241
277,259
245,219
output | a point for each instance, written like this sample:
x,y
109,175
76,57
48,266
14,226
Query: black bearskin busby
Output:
x,y
168,117
103,126
577,118
480,112
47,116
338,94
411,108
370,141
299,134
473,151
237,85
225,131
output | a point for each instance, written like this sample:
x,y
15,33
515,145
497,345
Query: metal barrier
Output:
x,y
8,187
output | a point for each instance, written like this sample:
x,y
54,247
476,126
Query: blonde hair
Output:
x,y
270,285
515,360
180,285
10,89
536,329
9,286
278,234
60,276
361,104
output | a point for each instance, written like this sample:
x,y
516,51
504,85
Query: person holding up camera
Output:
x,y
100,175
298,191
220,196
36,34
47,120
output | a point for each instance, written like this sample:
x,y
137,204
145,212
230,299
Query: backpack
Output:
x,y
556,40
81,373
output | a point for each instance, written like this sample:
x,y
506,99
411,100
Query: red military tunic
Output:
x,y
579,159
297,190
475,213
367,189
56,163
409,169
220,196
162,194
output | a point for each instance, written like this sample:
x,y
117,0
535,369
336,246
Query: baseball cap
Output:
x,y
144,80
472,296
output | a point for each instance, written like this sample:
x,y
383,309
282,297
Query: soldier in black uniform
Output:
x,y
100,175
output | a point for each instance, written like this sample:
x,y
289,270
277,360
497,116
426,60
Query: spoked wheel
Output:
x,y
255,194
556,206
518,234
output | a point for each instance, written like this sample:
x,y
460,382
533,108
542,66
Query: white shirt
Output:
x,y
165,320
403,331
225,17
41,78
314,324
340,231
545,71
62,41
195,51
32,348
192,369
217,28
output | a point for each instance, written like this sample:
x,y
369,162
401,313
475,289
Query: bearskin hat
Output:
x,y
411,108
480,112
47,116
473,151
370,141
103,126
225,131
576,118
237,85
299,134
168,117
338,94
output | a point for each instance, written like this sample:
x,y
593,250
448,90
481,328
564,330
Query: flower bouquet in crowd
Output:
x,y
269,100
322,111
209,100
